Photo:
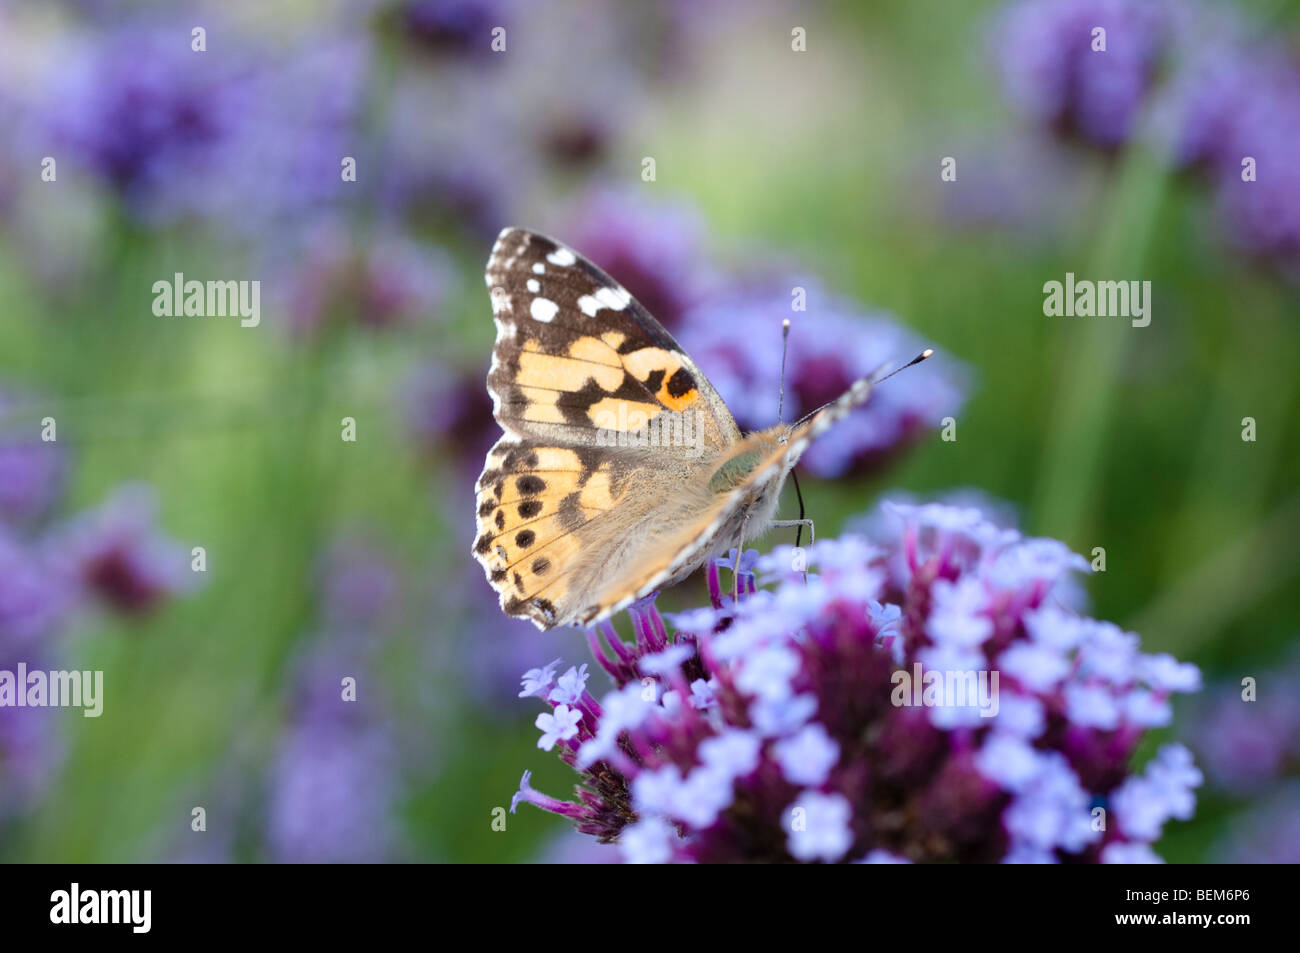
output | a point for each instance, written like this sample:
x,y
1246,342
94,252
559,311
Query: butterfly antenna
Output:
x,y
798,532
928,352
780,406
780,400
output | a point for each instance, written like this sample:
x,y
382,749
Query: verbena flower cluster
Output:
x,y
804,721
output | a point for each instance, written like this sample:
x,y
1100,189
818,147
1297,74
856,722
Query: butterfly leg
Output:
x,y
790,524
740,551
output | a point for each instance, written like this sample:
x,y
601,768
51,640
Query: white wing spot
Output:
x,y
562,257
543,309
616,299
534,285
539,268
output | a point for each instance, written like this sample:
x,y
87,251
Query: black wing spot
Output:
x,y
530,485
498,575
525,538
501,519
680,383
655,381
530,508
499,488
519,582
484,544
541,566
486,508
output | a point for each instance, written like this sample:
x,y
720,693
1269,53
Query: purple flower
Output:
x,y
332,792
358,585
145,113
32,471
560,725
380,282
1052,72
570,847
33,599
1247,113
30,752
1246,746
842,731
245,134
454,27
655,249
116,554
450,414
831,346
437,168
334,780
1266,833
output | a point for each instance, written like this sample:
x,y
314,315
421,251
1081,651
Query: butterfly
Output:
x,y
620,470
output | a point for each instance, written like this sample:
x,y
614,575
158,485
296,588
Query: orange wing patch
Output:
x,y
538,368
664,372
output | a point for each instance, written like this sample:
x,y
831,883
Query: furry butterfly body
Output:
x,y
620,470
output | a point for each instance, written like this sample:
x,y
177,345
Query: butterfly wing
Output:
x,y
564,501
576,353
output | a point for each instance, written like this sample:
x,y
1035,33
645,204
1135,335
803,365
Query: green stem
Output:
x,y
1090,371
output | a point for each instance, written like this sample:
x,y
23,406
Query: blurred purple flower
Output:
x,y
30,751
450,414
654,249
454,27
33,599
1249,745
1268,832
333,782
384,281
832,344
1052,73
116,554
147,114
783,727
570,847
244,134
358,584
32,471
1242,105
336,774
